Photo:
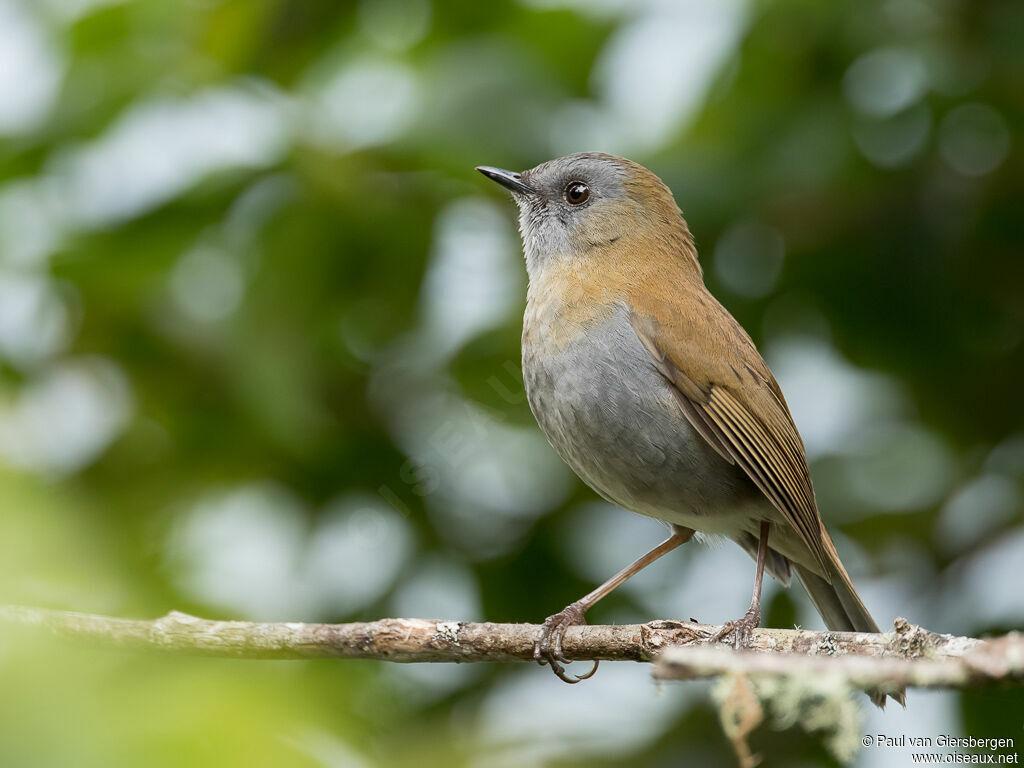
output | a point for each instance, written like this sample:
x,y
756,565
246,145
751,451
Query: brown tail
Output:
x,y
843,611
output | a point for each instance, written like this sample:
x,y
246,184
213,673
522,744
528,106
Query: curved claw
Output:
x,y
564,676
590,674
548,648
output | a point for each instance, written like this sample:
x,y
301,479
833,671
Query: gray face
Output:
x,y
565,205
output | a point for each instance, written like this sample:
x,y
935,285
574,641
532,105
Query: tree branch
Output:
x,y
909,656
957,662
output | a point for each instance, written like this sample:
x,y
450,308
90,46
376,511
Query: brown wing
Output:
x,y
731,398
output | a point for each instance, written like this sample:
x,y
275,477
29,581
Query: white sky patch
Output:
x,y
980,588
976,510
31,69
439,587
160,147
654,72
898,466
599,539
580,123
509,471
34,323
362,103
476,274
483,481
250,550
66,418
527,720
239,549
357,551
885,81
928,713
831,400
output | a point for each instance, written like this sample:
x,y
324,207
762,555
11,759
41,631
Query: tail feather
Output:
x,y
843,611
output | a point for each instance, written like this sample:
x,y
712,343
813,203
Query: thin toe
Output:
x,y
727,629
740,629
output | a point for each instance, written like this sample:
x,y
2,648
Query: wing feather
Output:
x,y
743,417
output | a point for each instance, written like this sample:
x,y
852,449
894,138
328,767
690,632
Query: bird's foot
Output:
x,y
739,629
548,648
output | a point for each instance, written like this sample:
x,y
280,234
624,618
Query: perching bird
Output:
x,y
653,393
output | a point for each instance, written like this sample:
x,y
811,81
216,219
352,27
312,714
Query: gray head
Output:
x,y
574,204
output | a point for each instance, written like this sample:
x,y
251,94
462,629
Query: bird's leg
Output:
x,y
548,648
741,628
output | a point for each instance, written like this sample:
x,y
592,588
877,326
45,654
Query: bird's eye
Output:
x,y
577,193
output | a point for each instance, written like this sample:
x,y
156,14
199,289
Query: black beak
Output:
x,y
508,179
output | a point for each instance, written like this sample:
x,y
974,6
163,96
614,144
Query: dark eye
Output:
x,y
576,193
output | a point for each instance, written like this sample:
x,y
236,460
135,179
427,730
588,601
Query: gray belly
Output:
x,y
614,419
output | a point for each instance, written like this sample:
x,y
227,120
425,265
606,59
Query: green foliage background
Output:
x,y
259,335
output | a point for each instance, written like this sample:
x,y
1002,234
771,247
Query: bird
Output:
x,y
655,396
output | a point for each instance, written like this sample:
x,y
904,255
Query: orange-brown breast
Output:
x,y
573,293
